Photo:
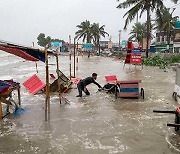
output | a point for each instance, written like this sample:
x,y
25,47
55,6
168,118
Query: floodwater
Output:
x,y
97,124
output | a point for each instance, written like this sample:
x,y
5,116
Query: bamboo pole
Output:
x,y
77,59
70,75
47,101
58,75
1,114
74,57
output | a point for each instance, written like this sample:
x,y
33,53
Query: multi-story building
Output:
x,y
162,40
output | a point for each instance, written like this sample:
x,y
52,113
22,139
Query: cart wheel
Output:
x,y
176,122
142,93
12,107
174,96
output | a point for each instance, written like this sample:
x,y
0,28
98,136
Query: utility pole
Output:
x,y
74,57
70,57
119,39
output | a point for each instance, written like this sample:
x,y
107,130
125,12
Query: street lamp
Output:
x,y
119,39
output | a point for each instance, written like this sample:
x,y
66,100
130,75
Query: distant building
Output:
x,y
177,40
103,44
106,45
162,41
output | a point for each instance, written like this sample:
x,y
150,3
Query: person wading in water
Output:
x,y
83,83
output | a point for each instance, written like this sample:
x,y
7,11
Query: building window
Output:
x,y
162,39
177,49
158,39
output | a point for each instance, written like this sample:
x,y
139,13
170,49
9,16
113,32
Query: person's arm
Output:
x,y
96,83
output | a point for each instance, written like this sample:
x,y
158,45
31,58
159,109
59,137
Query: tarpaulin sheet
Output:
x,y
27,53
19,53
4,85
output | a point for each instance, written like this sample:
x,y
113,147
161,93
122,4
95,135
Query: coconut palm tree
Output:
x,y
141,6
138,32
97,32
84,31
166,22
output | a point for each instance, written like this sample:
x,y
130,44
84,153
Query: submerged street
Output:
x,y
95,124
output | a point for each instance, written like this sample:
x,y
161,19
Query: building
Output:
x,y
177,40
162,40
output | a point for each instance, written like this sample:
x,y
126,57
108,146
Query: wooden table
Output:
x,y
8,94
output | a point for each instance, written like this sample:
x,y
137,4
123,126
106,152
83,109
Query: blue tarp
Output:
x,y
5,84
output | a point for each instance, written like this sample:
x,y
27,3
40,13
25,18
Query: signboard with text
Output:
x,y
136,59
87,46
56,44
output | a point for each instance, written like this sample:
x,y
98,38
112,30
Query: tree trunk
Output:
x,y
99,48
148,31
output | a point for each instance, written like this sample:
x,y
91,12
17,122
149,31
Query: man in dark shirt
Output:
x,y
83,83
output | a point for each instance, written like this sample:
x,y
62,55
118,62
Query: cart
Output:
x,y
176,92
129,89
123,89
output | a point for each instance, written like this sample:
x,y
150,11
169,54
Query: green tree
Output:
x,y
138,32
43,41
166,22
97,32
84,31
141,6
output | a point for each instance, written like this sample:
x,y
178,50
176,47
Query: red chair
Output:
x,y
33,85
111,79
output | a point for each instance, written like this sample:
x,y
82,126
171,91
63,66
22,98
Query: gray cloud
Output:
x,y
23,20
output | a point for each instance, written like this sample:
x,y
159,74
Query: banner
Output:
x,y
136,59
88,46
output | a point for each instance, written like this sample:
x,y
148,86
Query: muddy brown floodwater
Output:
x,y
97,124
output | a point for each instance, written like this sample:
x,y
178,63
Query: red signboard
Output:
x,y
136,59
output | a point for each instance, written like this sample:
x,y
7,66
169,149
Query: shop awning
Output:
x,y
27,53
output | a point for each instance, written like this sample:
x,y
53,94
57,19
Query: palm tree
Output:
x,y
138,32
97,32
142,6
166,22
84,31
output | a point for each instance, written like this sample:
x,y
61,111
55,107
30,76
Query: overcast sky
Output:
x,y
23,20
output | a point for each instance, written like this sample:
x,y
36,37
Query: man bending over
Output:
x,y
83,83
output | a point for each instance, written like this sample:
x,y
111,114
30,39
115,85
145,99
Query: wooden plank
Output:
x,y
126,95
129,81
135,85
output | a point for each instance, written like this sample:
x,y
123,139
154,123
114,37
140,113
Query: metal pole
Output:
x,y
70,57
119,39
19,95
74,57
1,111
57,62
77,58
47,101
